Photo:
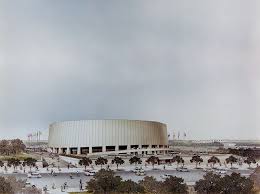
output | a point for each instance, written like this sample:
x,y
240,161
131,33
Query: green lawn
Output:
x,y
21,156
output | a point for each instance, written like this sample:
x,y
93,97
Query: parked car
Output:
x,y
27,184
90,173
165,176
183,169
141,172
136,169
220,171
208,170
34,175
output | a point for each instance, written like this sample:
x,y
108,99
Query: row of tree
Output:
x,y
11,147
14,162
106,182
214,160
155,160
103,161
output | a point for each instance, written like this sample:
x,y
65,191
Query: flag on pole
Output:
x,y
39,132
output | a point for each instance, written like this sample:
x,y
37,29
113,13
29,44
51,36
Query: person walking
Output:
x,y
45,189
65,185
80,187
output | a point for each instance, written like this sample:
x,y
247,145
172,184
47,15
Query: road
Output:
x,y
47,179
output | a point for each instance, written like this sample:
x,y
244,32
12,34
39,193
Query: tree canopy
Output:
x,y
85,162
244,152
130,186
11,185
31,162
104,181
213,160
1,163
153,160
231,159
8,147
229,184
5,186
135,160
197,159
178,159
118,161
13,162
101,161
250,160
175,185
151,185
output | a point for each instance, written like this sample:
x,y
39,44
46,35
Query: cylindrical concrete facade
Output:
x,y
106,135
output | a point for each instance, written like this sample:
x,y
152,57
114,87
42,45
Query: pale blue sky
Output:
x,y
194,65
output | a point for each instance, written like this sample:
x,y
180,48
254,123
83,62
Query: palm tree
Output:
x,y
213,160
1,163
250,160
101,161
178,159
31,162
118,161
153,160
135,160
85,162
13,162
197,159
231,159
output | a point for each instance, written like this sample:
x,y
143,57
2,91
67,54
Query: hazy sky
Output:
x,y
194,65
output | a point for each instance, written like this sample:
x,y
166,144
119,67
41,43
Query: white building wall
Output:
x,y
93,133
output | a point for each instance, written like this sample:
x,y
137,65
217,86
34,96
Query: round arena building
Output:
x,y
105,136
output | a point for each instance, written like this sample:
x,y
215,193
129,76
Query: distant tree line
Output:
x,y
11,147
245,152
190,143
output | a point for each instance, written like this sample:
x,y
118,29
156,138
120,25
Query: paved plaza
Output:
x,y
63,175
